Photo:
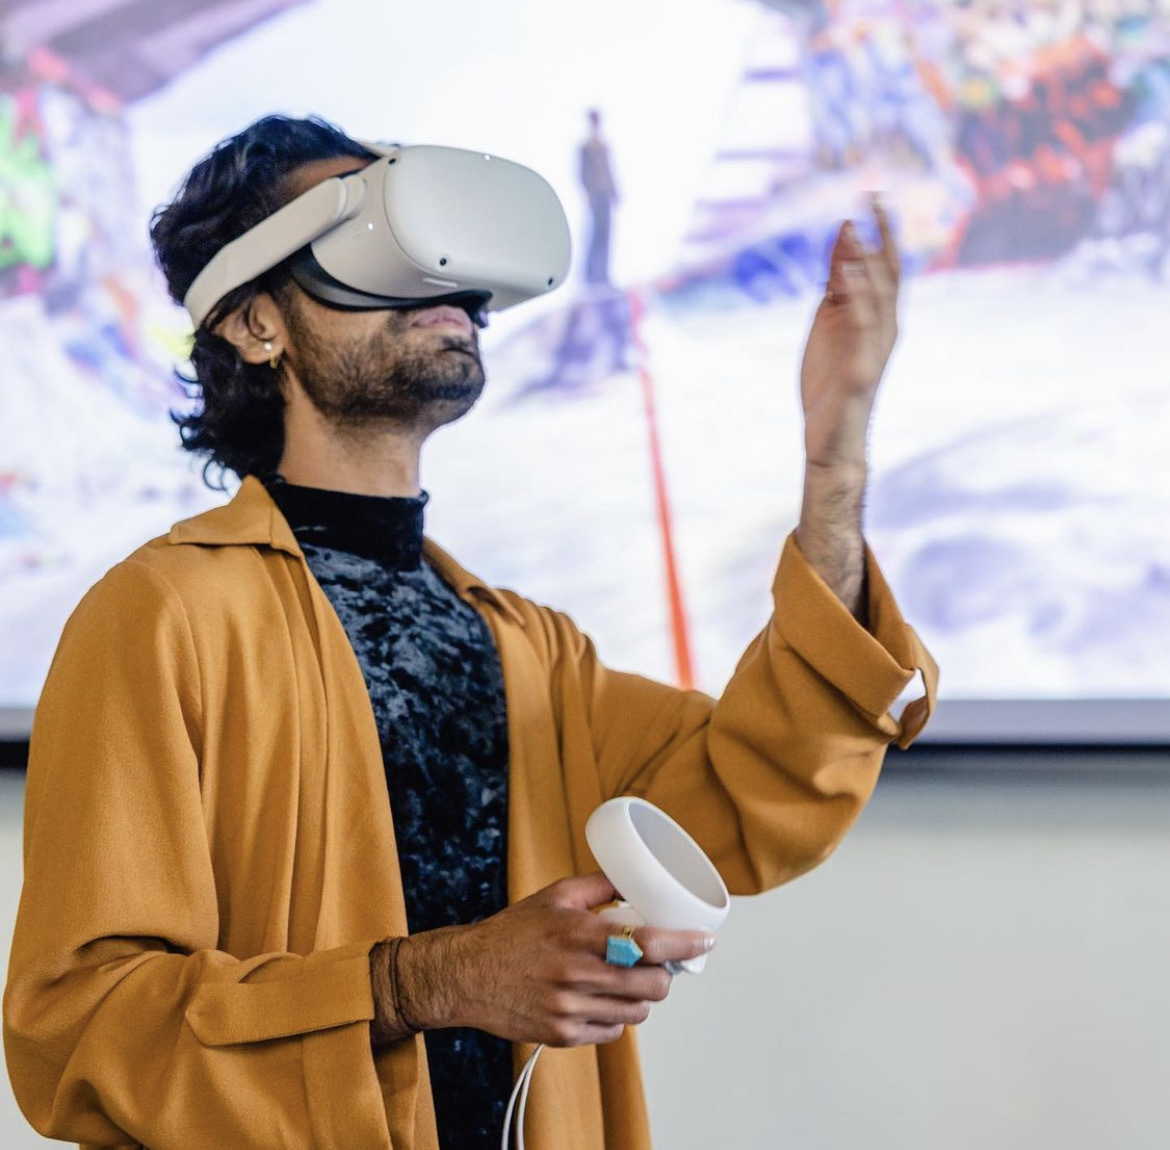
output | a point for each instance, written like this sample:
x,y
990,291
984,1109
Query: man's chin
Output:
x,y
459,398
425,393
438,403
464,374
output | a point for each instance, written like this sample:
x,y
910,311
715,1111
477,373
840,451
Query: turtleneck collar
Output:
x,y
388,529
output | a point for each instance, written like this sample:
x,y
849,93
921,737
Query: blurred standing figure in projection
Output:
x,y
596,337
596,177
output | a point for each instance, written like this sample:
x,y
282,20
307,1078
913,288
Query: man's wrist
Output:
x,y
842,471
394,1004
829,530
428,978
385,1027
390,1023
836,434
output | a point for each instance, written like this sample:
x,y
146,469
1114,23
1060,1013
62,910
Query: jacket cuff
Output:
x,y
332,988
871,668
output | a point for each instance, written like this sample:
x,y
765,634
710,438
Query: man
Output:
x,y
596,176
305,862
596,338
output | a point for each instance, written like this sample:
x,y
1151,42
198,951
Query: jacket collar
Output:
x,y
249,519
252,519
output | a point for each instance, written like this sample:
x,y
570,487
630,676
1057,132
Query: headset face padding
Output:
x,y
315,281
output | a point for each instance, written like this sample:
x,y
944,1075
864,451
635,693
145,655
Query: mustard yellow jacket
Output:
x,y
209,850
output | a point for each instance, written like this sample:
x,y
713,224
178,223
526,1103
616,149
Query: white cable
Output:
x,y
519,1100
522,1106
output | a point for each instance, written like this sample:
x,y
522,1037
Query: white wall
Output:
x,y
981,966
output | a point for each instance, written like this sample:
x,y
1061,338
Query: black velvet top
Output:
x,y
437,690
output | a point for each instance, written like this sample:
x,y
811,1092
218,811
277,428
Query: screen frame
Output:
x,y
966,722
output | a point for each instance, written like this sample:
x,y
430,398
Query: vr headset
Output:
x,y
419,226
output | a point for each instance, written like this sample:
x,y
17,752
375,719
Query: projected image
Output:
x,y
643,419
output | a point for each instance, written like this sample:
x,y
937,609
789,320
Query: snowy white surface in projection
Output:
x,y
1018,506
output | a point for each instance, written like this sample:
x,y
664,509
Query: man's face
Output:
x,y
419,368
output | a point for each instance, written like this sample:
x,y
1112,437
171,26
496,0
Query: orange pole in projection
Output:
x,y
678,616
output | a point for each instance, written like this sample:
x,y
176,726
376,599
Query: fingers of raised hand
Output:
x,y
849,272
890,257
858,274
845,258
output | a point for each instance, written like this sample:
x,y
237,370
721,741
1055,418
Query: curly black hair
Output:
x,y
238,421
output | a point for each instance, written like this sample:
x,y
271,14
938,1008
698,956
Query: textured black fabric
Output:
x,y
437,690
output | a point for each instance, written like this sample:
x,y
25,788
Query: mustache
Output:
x,y
460,343
399,322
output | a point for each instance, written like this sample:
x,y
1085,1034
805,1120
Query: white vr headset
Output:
x,y
419,225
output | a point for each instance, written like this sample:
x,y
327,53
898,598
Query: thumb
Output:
x,y
583,892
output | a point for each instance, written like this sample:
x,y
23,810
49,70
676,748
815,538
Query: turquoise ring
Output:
x,y
621,949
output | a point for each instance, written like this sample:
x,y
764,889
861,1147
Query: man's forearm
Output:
x,y
829,531
844,360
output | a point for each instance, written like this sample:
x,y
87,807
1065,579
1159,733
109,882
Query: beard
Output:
x,y
380,378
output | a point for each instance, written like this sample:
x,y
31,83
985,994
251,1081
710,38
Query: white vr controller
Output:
x,y
661,873
664,879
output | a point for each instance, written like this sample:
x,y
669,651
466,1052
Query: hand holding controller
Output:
x,y
663,875
665,880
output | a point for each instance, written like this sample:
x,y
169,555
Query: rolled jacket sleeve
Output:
x,y
769,777
871,668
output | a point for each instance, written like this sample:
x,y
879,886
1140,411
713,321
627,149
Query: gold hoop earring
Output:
x,y
273,356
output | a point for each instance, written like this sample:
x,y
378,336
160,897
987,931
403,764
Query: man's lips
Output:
x,y
443,316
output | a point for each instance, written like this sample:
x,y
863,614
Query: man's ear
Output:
x,y
256,330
